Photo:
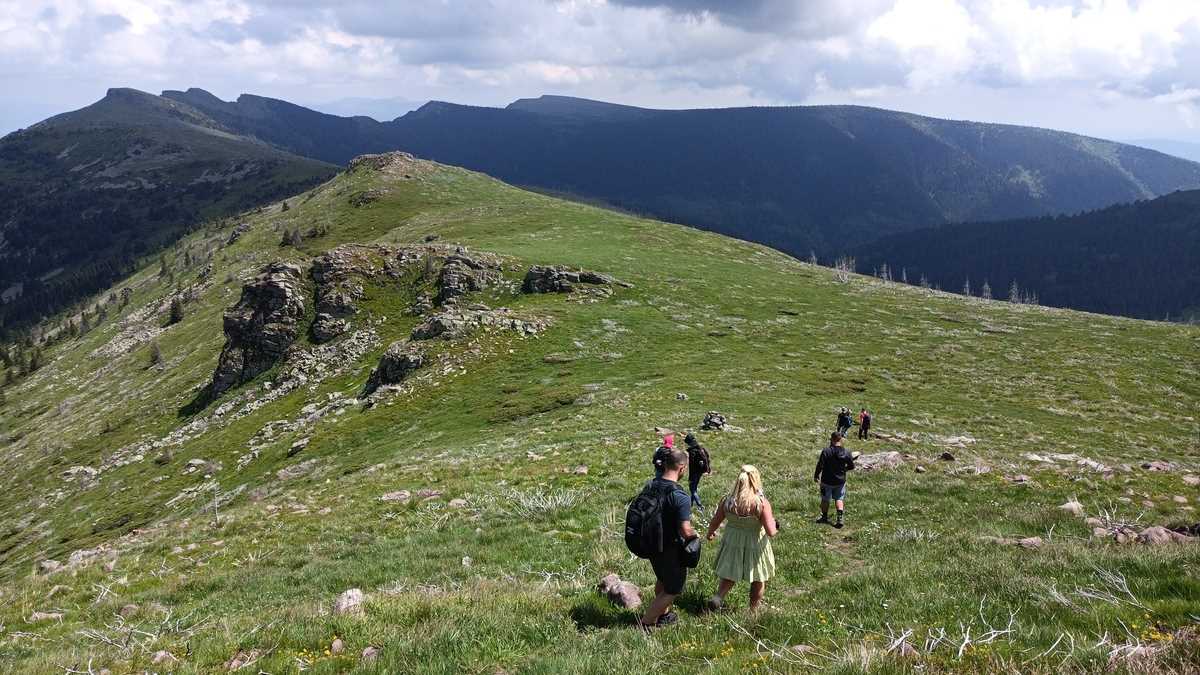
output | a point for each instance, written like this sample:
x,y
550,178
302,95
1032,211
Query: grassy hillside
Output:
x,y
194,564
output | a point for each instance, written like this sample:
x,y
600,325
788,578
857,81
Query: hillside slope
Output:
x,y
1140,259
85,194
798,179
477,501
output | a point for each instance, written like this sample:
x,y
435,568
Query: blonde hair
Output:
x,y
747,491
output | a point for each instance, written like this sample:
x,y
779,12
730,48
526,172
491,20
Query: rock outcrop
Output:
x,y
400,359
559,279
463,273
714,421
457,323
623,594
261,326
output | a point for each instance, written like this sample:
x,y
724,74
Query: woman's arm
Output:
x,y
766,516
718,518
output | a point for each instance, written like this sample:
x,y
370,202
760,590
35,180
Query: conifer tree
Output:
x,y
967,286
1014,292
985,292
176,311
156,357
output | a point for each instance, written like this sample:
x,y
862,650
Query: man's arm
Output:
x,y
820,465
849,459
683,510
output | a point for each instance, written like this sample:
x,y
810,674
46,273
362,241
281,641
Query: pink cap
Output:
x,y
669,441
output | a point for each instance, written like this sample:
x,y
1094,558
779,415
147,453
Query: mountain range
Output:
x,y
811,181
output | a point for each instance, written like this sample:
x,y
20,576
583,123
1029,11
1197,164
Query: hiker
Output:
x,y
830,474
745,553
699,466
843,422
864,425
663,451
658,527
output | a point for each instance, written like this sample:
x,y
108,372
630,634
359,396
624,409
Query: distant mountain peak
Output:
x,y
554,104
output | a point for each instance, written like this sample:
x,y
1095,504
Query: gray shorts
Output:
x,y
833,492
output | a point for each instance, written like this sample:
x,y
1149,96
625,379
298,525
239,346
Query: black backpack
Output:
x,y
644,536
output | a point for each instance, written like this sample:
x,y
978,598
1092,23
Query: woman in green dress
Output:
x,y
745,552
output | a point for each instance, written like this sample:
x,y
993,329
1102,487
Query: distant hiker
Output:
x,y
864,425
658,527
745,553
661,454
830,474
843,422
699,466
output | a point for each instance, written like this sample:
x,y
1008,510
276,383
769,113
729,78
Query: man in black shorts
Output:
x,y
669,569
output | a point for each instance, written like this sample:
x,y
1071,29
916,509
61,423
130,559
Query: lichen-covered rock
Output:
x,y
400,359
325,328
261,326
463,273
559,279
714,421
458,323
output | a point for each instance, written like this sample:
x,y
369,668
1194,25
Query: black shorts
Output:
x,y
669,569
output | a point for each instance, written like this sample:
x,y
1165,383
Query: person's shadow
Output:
x,y
594,612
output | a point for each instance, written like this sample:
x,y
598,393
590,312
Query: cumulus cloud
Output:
x,y
1126,64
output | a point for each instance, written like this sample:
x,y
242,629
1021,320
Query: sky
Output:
x,y
1119,69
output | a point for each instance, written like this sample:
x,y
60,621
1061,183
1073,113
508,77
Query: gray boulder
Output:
x,y
326,327
559,279
261,326
621,593
400,360
462,274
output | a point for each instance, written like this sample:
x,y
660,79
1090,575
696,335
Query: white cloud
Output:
x,y
1126,62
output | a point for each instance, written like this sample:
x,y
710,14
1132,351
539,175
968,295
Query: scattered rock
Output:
x,y
1020,478
919,469
397,496
1093,522
466,561
1157,535
1073,507
907,651
370,654
714,421
1180,499
946,457
458,503
129,610
296,470
49,566
337,646
546,279
1191,480
681,396
242,659
1030,542
580,470
429,493
456,323
44,616
162,656
297,447
1158,465
349,603
261,326
83,474
879,461
621,593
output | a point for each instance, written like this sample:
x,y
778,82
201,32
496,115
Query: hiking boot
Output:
x,y
667,619
823,520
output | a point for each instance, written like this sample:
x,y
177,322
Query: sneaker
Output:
x,y
823,520
838,524
667,619
715,603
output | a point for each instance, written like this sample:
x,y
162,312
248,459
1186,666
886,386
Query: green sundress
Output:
x,y
745,553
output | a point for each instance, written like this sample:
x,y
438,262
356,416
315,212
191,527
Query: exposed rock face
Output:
x,y
261,326
462,274
559,279
400,359
458,323
325,328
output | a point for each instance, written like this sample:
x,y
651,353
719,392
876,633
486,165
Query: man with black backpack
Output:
x,y
658,527
699,466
